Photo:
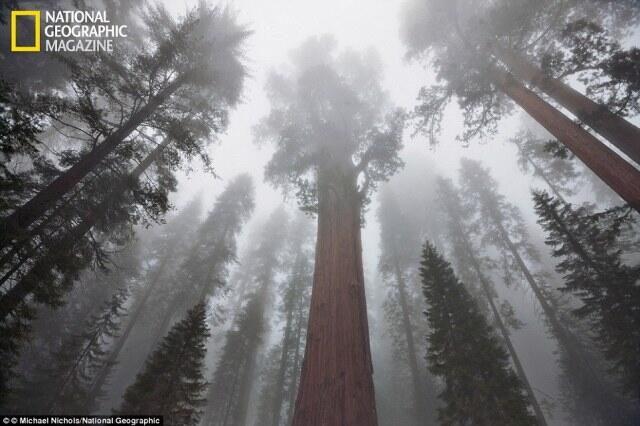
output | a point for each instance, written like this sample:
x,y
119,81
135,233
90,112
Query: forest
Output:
x,y
273,213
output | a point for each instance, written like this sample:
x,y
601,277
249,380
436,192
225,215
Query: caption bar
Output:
x,y
81,420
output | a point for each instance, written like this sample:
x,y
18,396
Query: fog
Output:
x,y
222,260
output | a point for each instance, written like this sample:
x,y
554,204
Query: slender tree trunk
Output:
x,y
286,344
244,392
336,385
180,302
573,241
621,133
507,339
66,244
101,377
568,343
16,224
418,391
539,172
293,386
616,172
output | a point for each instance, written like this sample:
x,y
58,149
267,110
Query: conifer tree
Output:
x,y
499,224
193,265
471,265
549,161
164,247
205,265
477,53
229,392
61,381
61,361
590,247
281,374
400,234
172,383
480,387
336,137
153,87
234,375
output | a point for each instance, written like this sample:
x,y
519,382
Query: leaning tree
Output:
x,y
177,83
485,54
335,137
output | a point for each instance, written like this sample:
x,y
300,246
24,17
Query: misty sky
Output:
x,y
281,25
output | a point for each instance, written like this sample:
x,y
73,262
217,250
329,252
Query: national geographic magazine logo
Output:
x,y
64,31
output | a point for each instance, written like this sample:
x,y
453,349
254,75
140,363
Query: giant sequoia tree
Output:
x,y
473,49
480,387
335,137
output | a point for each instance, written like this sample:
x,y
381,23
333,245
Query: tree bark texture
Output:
x,y
336,386
616,172
621,133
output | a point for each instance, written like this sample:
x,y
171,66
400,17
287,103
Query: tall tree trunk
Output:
x,y
416,377
336,385
244,391
539,172
16,224
286,346
60,249
184,299
507,339
101,378
621,133
293,386
568,342
616,172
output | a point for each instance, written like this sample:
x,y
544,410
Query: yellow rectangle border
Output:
x,y
14,15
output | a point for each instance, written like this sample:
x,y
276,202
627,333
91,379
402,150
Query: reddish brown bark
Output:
x,y
16,224
622,134
336,384
616,172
